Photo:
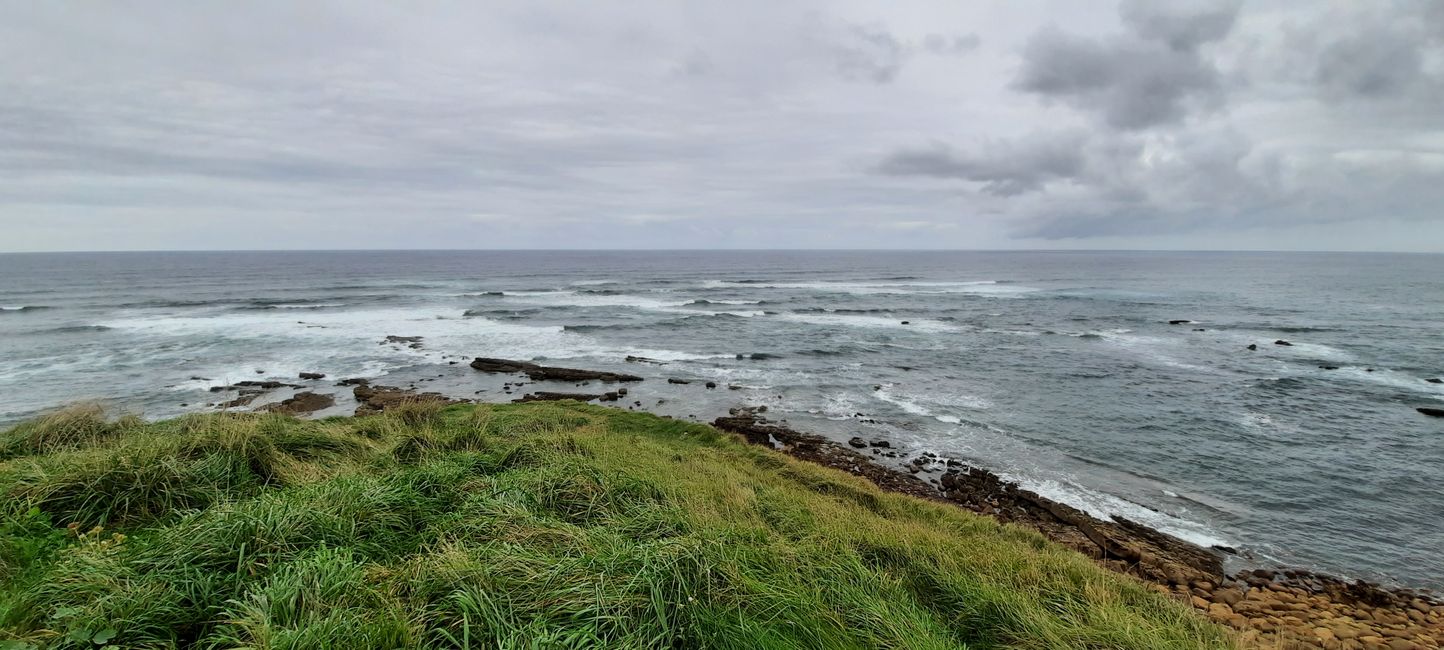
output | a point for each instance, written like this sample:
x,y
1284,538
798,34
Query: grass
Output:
x,y
541,525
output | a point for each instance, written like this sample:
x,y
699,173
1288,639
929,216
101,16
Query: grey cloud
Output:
x,y
1130,84
1150,76
1181,24
869,53
1002,168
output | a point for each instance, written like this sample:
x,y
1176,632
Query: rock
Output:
x,y
313,375
1180,321
733,387
674,380
858,443
1199,329
545,373
880,443
353,381
907,323
1283,342
375,399
763,356
1438,413
710,384
1329,367
1253,346
632,359
1435,380
414,341
302,403
544,396
260,385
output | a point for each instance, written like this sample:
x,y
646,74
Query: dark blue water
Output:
x,y
1058,369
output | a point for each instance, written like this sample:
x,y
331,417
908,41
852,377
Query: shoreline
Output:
x,y
1268,607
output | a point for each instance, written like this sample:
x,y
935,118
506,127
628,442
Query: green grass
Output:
x,y
542,525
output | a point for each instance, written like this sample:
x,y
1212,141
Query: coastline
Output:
x,y
1268,607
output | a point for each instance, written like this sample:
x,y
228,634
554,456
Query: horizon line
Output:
x,y
718,250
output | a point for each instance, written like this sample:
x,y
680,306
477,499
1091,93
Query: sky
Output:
x,y
1007,124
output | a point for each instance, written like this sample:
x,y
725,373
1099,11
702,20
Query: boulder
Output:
x,y
1438,413
858,443
1435,380
1180,321
880,443
313,375
1283,342
674,380
710,384
1253,346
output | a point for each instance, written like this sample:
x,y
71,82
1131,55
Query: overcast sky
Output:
x,y
1268,124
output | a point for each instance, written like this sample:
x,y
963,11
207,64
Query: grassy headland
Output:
x,y
541,525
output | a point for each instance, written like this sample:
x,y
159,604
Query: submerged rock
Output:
x,y
674,380
1438,413
1435,380
1252,346
1179,321
1283,342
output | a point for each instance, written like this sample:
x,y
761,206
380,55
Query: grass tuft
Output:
x,y
542,525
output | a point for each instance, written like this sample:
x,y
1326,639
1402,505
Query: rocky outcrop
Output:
x,y
302,404
375,399
544,396
547,373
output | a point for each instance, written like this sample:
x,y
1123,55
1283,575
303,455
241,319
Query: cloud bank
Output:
x,y
1032,124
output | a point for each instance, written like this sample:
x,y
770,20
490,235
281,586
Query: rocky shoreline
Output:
x,y
1269,608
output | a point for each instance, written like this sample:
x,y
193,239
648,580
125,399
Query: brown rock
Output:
x,y
302,403
1199,603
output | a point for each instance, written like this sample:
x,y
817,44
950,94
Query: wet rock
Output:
x,y
1179,321
632,359
858,443
1329,367
302,403
674,380
1252,346
763,356
1435,380
545,373
880,443
1283,342
710,384
1438,413
353,381
544,396
313,375
907,322
262,385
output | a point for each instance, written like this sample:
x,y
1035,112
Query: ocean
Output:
x,y
1059,370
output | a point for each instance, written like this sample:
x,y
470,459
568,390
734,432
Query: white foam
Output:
x,y
1391,378
1103,506
849,320
935,408
983,287
284,346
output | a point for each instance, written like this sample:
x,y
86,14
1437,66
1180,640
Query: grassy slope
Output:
x,y
531,526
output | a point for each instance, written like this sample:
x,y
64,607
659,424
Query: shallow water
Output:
x,y
1057,369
